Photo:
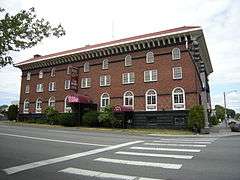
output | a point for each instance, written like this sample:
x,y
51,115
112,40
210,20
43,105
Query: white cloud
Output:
x,y
89,22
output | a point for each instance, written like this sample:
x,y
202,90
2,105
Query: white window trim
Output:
x,y
69,69
27,88
28,76
174,75
40,75
86,83
37,109
106,83
39,89
67,84
53,72
128,61
105,64
146,103
184,100
151,75
50,100
173,54
128,78
147,57
86,67
52,86
124,100
101,102
25,110
66,109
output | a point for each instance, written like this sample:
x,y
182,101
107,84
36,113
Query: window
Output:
x,y
40,75
86,83
128,60
176,54
177,72
28,76
69,69
150,75
38,106
150,57
67,107
26,105
151,100
53,72
128,99
105,100
178,99
105,80
128,78
51,102
67,84
52,86
105,64
39,88
86,67
27,88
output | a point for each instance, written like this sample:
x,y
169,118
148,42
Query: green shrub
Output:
x,y
67,119
12,112
214,120
106,118
196,118
52,116
90,119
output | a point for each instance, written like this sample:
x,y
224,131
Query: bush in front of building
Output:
x,y
90,119
52,116
196,118
12,112
67,119
214,120
107,119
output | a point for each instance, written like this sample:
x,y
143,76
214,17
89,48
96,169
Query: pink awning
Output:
x,y
78,99
119,108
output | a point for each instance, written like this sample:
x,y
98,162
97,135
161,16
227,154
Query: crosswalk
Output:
x,y
159,153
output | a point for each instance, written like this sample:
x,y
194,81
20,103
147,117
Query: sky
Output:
x,y
94,21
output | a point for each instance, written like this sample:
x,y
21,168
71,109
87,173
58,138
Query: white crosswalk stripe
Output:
x,y
155,155
165,149
100,174
181,141
141,163
181,145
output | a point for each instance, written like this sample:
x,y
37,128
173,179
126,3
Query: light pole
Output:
x,y
225,104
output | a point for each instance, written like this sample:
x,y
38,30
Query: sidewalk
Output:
x,y
215,132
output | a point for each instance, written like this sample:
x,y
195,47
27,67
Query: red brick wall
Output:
x,y
164,86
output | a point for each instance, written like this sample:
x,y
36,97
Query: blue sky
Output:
x,y
90,22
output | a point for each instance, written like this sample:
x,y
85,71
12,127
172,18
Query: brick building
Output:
x,y
157,72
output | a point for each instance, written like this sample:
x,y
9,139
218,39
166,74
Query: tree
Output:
x,y
196,118
12,112
3,108
220,112
21,31
237,116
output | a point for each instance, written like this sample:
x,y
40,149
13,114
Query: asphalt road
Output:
x,y
58,154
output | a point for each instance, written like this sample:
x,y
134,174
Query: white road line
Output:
x,y
181,145
20,168
53,140
166,149
141,163
189,139
100,174
155,155
186,142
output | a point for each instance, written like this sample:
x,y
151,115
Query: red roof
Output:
x,y
110,43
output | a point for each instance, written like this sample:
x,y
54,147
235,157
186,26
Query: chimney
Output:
x,y
36,56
